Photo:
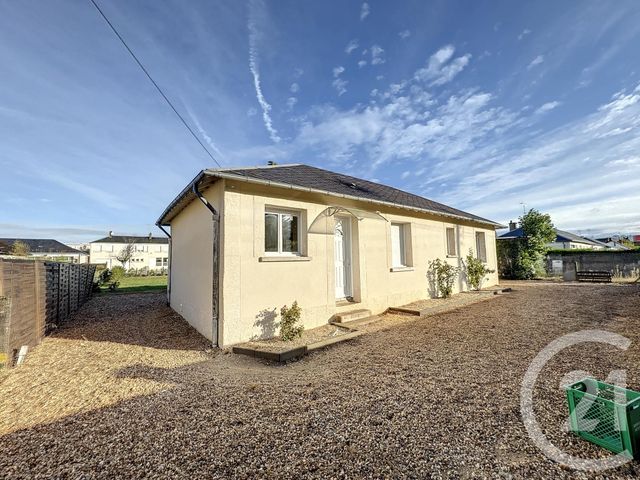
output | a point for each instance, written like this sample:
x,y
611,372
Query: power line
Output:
x,y
155,84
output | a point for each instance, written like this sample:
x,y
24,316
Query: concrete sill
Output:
x,y
284,258
401,269
452,256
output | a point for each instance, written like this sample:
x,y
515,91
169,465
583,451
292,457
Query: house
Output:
x,y
613,243
149,252
246,241
563,241
45,248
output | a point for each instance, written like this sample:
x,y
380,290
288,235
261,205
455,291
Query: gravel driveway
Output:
x,y
129,390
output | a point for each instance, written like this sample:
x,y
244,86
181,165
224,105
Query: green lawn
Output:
x,y
139,284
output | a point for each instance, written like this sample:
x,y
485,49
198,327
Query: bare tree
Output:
x,y
19,249
125,254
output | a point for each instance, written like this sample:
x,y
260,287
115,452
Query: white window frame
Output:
x,y
280,212
483,259
455,241
402,246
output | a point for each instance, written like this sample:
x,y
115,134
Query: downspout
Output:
x,y
169,266
215,287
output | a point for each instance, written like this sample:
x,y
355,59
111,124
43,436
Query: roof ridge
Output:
x,y
256,167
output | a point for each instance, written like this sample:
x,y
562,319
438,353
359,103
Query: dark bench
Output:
x,y
593,276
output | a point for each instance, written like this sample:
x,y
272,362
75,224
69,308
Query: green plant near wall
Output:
x,y
289,317
444,274
475,270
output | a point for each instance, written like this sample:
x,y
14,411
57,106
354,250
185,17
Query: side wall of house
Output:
x,y
256,286
192,261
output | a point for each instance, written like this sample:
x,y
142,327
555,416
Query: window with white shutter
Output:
x,y
397,245
451,241
481,247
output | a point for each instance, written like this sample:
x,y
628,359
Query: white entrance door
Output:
x,y
342,238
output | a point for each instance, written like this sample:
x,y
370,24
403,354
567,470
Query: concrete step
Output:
x,y
351,324
351,315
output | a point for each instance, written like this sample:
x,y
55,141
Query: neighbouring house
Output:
x,y
563,241
149,252
246,241
45,248
613,243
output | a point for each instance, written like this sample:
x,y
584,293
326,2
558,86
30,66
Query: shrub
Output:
x,y
289,318
117,273
444,274
475,271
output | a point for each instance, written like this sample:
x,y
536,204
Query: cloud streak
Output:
x,y
536,61
364,11
255,9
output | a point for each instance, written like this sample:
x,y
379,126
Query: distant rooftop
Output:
x,y
38,245
132,239
561,236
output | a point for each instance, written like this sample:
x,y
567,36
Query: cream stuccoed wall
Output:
x,y
255,287
192,261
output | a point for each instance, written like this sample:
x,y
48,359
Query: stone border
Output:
x,y
425,312
296,352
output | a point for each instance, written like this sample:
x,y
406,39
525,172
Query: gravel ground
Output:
x,y
438,305
437,397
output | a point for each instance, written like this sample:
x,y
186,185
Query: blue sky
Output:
x,y
480,105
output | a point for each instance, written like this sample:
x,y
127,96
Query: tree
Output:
x,y
19,249
125,254
522,258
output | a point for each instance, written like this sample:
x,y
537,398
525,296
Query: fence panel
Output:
x,y
36,297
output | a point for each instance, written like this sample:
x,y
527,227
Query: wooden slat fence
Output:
x,y
36,297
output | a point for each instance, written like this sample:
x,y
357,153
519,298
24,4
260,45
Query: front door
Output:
x,y
342,238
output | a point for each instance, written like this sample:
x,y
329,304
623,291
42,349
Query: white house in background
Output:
x,y
148,251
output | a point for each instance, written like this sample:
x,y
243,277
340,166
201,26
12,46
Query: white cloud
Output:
x,y
377,55
203,133
294,88
404,34
351,46
546,107
252,112
256,8
362,63
337,71
553,171
629,161
524,33
291,102
340,85
364,11
440,69
536,61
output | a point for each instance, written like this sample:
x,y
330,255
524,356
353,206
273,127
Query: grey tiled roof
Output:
x,y
38,245
315,178
306,177
131,239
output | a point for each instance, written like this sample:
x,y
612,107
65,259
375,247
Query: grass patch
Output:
x,y
139,284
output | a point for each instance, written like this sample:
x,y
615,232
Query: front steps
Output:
x,y
353,318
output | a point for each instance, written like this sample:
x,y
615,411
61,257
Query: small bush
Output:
x,y
444,275
117,273
475,270
289,318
